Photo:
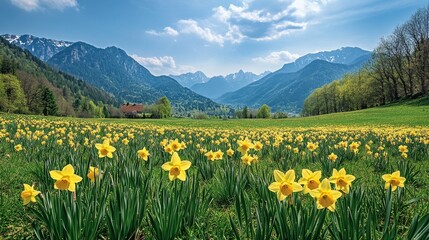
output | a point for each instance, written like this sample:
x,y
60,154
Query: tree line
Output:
x,y
399,69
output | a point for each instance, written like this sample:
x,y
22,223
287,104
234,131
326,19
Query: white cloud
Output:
x,y
168,31
192,27
31,5
252,20
280,57
301,8
163,65
60,4
27,5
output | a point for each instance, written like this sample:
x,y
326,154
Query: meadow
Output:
x,y
357,175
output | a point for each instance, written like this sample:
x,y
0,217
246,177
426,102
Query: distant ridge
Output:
x,y
286,91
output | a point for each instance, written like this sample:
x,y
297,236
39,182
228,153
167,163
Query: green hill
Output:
x,y
405,113
73,97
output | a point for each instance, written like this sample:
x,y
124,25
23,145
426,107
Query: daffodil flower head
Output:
x,y
284,184
94,173
342,180
310,180
105,149
29,194
244,146
325,196
176,167
65,179
143,153
393,180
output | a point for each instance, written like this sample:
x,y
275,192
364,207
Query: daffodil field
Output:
x,y
66,178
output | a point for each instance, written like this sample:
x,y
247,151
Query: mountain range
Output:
x,y
42,48
189,79
113,71
73,97
287,88
217,86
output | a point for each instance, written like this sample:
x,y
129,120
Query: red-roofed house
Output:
x,y
132,110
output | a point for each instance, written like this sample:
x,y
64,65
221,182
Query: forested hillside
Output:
x,y
399,69
28,85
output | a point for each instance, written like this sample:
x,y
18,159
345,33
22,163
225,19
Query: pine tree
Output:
x,y
49,104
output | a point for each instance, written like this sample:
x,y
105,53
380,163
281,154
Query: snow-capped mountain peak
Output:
x,y
42,48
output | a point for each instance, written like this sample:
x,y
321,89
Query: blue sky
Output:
x,y
216,37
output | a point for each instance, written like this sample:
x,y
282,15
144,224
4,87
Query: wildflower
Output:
x,y
342,180
311,146
310,180
210,155
143,153
403,149
247,159
393,180
218,155
332,157
125,141
354,147
244,146
176,167
175,145
29,194
230,152
325,197
258,146
94,172
65,179
105,149
168,149
284,184
18,147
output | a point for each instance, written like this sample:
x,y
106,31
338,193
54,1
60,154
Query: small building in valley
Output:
x,y
132,110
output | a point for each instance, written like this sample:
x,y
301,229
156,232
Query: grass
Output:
x,y
19,167
409,113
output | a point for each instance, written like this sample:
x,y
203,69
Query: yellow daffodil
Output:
x,y
143,153
105,149
65,179
403,149
210,155
29,194
393,180
332,157
284,184
176,168
247,159
342,180
244,146
325,196
258,146
175,145
310,180
18,147
94,173
230,152
218,155
311,146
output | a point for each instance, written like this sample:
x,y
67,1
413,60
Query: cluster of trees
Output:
x,y
263,112
161,109
399,69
